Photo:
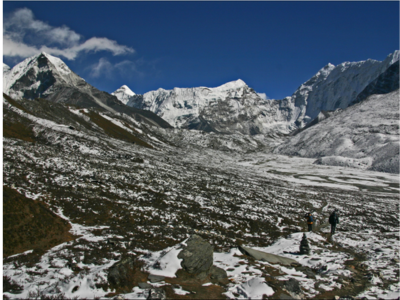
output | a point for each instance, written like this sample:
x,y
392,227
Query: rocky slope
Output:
x,y
46,76
135,205
365,135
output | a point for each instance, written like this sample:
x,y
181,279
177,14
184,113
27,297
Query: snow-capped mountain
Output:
x,y
365,135
387,82
124,94
235,107
6,71
337,87
48,77
39,76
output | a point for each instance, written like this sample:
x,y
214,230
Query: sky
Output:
x,y
274,46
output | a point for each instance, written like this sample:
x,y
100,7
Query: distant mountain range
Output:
x,y
235,107
335,117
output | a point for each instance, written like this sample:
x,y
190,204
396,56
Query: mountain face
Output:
x,y
230,108
48,77
124,94
337,87
365,135
387,82
236,108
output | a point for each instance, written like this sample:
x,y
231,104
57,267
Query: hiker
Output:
x,y
310,221
333,220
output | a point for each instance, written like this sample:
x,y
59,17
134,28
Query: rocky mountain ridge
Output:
x,y
48,77
236,108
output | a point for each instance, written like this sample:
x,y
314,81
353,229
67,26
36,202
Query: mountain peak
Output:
x,y
123,94
127,90
232,85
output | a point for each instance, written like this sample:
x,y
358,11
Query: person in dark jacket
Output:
x,y
333,220
310,221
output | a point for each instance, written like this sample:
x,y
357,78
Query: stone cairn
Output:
x,y
304,246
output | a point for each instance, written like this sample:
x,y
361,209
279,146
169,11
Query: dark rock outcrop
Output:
x,y
121,272
197,256
385,83
292,286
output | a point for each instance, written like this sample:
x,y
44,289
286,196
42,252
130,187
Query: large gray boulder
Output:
x,y
121,272
197,256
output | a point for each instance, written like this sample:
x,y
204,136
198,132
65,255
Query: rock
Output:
x,y
271,258
285,296
304,246
155,278
144,285
218,273
309,273
292,286
202,276
157,293
121,272
295,264
119,297
197,256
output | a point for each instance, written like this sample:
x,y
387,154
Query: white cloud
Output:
x,y
105,68
102,67
15,48
24,36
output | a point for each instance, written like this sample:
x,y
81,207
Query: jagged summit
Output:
x,y
36,75
124,94
228,108
237,84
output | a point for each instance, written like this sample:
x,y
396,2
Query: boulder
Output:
x,y
218,273
144,285
157,293
197,255
120,273
292,286
264,256
155,278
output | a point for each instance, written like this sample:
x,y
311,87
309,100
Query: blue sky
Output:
x,y
273,46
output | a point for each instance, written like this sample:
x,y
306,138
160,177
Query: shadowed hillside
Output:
x,y
29,224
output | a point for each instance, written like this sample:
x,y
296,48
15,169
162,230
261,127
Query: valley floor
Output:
x,y
125,199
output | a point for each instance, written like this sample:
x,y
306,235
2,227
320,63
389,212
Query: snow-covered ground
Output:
x,y
122,199
365,135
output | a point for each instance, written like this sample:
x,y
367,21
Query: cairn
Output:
x,y
304,246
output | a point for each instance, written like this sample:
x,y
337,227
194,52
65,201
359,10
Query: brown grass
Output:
x,y
115,131
29,224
